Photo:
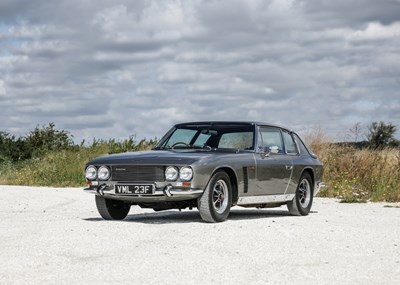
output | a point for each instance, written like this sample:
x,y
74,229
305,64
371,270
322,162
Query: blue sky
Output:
x,y
116,68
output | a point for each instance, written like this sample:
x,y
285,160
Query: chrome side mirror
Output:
x,y
266,151
274,149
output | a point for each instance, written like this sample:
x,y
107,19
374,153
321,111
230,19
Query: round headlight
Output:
x,y
103,173
91,173
171,173
186,173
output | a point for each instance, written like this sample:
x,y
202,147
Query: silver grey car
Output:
x,y
211,166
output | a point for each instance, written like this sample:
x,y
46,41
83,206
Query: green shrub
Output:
x,y
358,175
65,167
48,157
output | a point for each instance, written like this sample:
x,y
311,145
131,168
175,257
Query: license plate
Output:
x,y
137,189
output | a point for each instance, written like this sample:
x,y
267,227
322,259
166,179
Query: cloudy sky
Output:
x,y
114,68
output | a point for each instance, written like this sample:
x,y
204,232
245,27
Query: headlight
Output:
x,y
171,173
91,173
103,173
186,173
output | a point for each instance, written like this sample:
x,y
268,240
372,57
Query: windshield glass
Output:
x,y
217,135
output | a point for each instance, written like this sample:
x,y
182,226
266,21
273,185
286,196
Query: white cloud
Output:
x,y
377,31
2,89
111,69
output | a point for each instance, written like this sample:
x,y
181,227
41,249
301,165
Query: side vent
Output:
x,y
245,180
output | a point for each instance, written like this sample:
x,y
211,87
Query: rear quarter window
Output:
x,y
290,145
302,147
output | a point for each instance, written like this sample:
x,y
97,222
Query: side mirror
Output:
x,y
274,149
266,151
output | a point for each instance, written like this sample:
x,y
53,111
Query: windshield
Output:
x,y
211,136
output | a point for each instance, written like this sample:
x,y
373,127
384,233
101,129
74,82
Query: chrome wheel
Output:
x,y
220,196
215,203
304,193
303,199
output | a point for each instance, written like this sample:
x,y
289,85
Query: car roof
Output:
x,y
234,123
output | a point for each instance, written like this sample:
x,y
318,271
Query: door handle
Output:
x,y
289,167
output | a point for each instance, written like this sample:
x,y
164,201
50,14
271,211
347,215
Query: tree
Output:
x,y
13,149
48,138
356,131
381,135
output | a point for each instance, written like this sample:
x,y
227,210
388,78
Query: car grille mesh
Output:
x,y
137,173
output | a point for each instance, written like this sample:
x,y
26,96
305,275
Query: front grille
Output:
x,y
137,173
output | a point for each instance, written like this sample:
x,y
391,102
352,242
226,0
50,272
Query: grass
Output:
x,y
358,175
352,175
61,168
64,167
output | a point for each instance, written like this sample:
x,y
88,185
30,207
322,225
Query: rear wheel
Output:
x,y
110,209
215,203
302,201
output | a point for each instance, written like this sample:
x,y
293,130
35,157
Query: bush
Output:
x,y
381,135
65,167
353,174
47,138
48,157
13,149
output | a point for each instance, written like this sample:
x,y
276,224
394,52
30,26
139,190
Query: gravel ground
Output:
x,y
55,235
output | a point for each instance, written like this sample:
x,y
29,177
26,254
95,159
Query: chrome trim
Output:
x,y
290,178
183,192
248,200
167,191
318,187
100,190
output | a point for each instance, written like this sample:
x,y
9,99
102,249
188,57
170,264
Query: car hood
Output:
x,y
184,157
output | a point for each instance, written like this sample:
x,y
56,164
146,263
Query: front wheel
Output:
x,y
215,203
302,201
110,209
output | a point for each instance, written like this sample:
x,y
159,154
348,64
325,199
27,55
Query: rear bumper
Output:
x,y
318,187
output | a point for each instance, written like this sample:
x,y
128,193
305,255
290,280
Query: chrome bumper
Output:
x,y
318,187
167,193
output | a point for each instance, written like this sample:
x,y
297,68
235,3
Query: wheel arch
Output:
x,y
233,179
310,171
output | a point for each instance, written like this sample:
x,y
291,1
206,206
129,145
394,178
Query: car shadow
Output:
x,y
173,216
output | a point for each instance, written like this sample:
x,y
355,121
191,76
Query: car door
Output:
x,y
274,166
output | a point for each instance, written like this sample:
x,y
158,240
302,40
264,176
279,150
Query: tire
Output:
x,y
215,203
110,209
302,201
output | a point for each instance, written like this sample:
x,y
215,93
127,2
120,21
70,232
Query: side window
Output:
x,y
303,148
201,139
271,139
240,140
290,145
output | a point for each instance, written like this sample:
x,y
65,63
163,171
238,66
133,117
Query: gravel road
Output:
x,y
55,235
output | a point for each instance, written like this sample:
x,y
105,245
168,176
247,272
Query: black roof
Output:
x,y
206,123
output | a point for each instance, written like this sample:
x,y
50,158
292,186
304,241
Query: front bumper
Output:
x,y
161,193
